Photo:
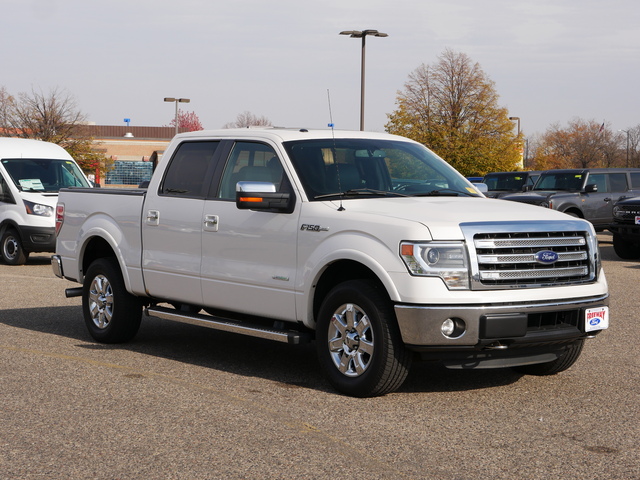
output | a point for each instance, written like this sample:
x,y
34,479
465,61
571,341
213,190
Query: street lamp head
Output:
x,y
363,33
184,100
514,118
169,99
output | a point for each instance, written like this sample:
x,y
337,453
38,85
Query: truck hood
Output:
x,y
442,216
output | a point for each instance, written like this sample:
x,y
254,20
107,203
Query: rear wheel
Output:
x,y
111,313
625,249
560,364
358,341
12,251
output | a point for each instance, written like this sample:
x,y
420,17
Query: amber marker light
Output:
x,y
406,250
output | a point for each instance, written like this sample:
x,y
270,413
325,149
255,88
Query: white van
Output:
x,y
31,174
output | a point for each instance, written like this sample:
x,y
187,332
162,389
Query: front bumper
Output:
x,y
38,239
496,326
626,230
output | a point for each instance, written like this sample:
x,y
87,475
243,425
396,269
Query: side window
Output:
x,y
635,180
187,169
252,162
600,180
618,182
5,193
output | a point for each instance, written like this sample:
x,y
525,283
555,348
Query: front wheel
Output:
x,y
560,364
625,249
12,251
111,313
358,341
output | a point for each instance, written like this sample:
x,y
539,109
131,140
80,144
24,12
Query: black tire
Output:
x,y
625,249
358,341
112,314
560,364
12,250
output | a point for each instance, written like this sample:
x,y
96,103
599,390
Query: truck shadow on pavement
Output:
x,y
290,366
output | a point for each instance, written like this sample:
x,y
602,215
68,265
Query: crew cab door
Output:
x,y
172,224
599,205
249,257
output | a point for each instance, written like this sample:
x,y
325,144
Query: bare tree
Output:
x,y
6,105
452,107
52,117
248,119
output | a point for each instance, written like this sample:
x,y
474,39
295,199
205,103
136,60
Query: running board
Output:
x,y
217,323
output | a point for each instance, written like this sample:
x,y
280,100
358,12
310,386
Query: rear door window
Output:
x,y
188,170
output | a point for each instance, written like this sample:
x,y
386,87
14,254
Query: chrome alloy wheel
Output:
x,y
350,340
101,301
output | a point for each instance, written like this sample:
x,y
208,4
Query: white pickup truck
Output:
x,y
368,244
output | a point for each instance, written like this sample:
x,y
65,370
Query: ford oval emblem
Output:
x,y
546,257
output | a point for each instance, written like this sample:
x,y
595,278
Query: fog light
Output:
x,y
448,327
453,328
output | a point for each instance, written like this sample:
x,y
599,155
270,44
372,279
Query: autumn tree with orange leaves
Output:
x,y
582,144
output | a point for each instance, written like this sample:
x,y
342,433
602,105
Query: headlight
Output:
x,y
618,212
447,260
38,209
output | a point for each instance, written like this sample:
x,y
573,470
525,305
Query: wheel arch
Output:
x,y
573,210
338,272
98,246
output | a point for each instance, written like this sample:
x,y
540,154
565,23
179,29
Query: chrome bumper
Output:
x,y
420,325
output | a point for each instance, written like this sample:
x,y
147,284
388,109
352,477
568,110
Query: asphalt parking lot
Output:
x,y
184,402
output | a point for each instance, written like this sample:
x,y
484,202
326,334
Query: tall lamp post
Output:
x,y
627,132
513,119
177,100
363,35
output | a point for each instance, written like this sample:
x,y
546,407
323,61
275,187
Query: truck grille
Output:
x,y
513,259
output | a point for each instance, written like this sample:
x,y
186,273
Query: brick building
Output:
x,y
133,149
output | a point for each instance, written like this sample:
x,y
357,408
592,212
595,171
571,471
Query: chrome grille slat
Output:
x,y
528,258
507,258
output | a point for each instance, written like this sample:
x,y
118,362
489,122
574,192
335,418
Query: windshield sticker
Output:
x,y
472,190
31,184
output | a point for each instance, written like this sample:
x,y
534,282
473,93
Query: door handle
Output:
x,y
211,223
153,217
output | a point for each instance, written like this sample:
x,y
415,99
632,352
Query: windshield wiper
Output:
x,y
445,192
363,192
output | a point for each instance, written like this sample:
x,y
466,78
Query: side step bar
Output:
x,y
217,323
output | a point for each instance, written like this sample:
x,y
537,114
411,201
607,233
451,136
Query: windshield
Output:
x,y
570,181
510,182
351,168
44,175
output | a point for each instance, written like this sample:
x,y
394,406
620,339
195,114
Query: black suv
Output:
x,y
626,228
504,183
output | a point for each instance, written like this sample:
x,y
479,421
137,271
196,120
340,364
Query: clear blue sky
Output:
x,y
551,60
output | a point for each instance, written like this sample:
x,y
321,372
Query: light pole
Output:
x,y
514,119
363,35
523,156
627,132
176,100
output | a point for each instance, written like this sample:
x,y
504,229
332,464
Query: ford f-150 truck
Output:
x,y
368,244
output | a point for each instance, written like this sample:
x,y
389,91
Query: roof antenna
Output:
x,y
331,125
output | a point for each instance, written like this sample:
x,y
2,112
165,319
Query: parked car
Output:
x,y
588,193
626,228
31,174
500,184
